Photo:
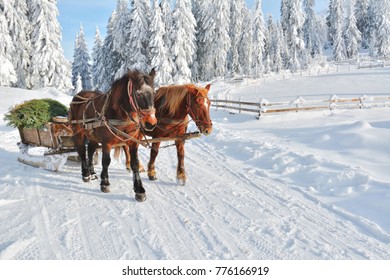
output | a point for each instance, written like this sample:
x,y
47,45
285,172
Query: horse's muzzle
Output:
x,y
149,121
149,127
206,130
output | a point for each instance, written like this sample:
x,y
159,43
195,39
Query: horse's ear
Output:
x,y
152,72
208,86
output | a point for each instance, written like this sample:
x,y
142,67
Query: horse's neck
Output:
x,y
116,108
180,113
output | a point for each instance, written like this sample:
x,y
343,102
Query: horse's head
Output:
x,y
198,106
141,94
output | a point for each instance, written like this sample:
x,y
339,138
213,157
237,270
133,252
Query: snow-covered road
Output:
x,y
229,209
256,189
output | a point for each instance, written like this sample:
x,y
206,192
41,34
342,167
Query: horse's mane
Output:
x,y
171,97
137,77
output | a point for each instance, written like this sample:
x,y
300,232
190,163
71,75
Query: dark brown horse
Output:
x,y
174,104
111,119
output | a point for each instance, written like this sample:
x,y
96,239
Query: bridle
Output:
x,y
141,113
197,121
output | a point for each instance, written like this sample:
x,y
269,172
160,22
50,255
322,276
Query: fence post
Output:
x,y
240,105
260,109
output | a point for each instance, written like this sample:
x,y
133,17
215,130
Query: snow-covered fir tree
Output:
x,y
49,66
245,48
183,36
110,59
269,35
329,24
166,16
259,33
204,39
221,46
292,23
7,71
279,49
79,85
236,26
373,15
97,61
352,34
383,33
322,33
139,35
363,20
81,62
157,49
311,32
273,48
197,12
120,36
336,16
284,14
20,29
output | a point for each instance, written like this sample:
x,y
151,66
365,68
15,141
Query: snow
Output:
x,y
307,185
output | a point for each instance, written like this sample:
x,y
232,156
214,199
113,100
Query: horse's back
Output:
x,y
80,101
82,95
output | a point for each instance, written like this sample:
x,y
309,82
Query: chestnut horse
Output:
x,y
114,118
174,104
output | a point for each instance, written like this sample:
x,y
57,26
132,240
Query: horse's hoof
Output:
x,y
94,177
140,197
181,182
152,178
105,189
86,179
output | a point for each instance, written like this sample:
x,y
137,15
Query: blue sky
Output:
x,y
93,13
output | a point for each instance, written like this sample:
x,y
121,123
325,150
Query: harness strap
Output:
x,y
114,131
95,122
173,121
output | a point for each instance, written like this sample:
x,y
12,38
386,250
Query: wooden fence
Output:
x,y
300,104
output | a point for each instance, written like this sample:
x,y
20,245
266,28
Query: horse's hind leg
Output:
x,y
92,146
106,160
181,173
139,190
128,160
151,165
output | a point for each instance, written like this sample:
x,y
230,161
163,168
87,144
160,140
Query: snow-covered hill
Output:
x,y
311,185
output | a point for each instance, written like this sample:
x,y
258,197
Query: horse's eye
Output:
x,y
199,100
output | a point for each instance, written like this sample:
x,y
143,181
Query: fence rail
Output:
x,y
264,107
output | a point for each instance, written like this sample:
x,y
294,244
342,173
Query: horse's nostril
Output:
x,y
207,131
149,126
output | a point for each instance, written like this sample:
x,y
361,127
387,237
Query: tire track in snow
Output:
x,y
43,224
204,218
325,232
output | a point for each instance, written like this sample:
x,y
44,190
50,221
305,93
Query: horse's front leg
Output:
x,y
106,160
181,173
81,151
151,165
92,146
139,190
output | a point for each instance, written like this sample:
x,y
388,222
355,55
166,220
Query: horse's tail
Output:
x,y
117,152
